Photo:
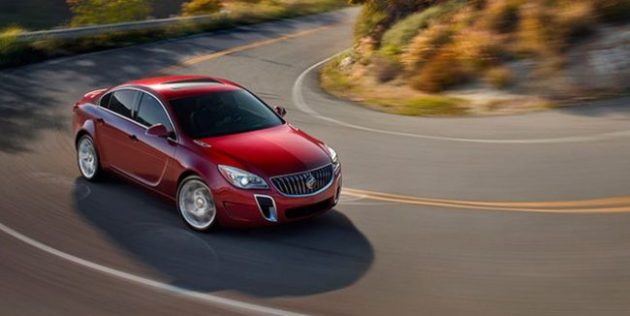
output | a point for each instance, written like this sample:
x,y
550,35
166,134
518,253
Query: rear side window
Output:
x,y
105,100
151,112
122,102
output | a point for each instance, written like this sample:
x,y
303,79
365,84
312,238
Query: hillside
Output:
x,y
431,57
45,14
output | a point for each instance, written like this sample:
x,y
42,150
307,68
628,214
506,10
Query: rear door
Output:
x,y
118,131
153,153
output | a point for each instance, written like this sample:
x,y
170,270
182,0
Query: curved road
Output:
x,y
513,215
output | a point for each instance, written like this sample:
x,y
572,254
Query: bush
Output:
x,y
386,69
333,77
200,7
502,16
425,45
534,32
10,45
575,20
478,49
499,77
88,12
441,72
367,22
399,35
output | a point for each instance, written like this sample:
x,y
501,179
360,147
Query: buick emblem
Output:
x,y
310,181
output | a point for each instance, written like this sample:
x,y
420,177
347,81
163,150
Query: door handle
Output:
x,y
133,137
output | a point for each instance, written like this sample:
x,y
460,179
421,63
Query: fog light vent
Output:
x,y
267,207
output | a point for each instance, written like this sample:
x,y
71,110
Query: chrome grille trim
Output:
x,y
294,184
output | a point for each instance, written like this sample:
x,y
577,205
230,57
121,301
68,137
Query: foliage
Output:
x,y
10,44
88,12
378,15
333,77
400,34
426,105
200,7
499,77
386,69
502,16
426,45
442,71
368,21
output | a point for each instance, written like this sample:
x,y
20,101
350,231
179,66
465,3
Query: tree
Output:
x,y
87,12
201,7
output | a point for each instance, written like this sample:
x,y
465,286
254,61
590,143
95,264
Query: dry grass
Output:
x,y
442,71
499,77
427,44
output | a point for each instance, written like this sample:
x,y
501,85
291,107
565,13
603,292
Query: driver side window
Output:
x,y
151,112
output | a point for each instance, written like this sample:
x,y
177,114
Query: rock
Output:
x,y
602,63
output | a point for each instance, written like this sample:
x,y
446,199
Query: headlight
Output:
x,y
333,157
242,179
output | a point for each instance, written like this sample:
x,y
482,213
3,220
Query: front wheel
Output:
x,y
87,158
196,204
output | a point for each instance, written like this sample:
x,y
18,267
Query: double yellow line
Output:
x,y
603,205
257,44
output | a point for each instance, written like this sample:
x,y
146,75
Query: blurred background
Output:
x,y
452,205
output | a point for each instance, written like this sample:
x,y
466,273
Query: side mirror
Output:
x,y
281,111
158,130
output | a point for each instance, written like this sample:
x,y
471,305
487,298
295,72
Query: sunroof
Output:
x,y
179,84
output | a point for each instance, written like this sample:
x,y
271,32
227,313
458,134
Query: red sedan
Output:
x,y
216,149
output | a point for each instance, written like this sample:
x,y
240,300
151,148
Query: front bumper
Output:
x,y
248,208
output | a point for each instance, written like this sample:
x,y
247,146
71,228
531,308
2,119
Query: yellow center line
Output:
x,y
602,205
206,57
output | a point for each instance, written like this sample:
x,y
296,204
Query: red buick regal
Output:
x,y
216,149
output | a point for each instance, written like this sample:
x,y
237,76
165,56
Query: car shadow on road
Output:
x,y
316,256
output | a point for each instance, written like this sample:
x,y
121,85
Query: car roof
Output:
x,y
174,87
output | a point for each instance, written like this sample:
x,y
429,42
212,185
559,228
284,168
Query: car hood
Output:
x,y
269,152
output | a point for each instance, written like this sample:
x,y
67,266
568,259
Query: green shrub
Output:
x,y
401,33
333,78
88,12
367,22
11,47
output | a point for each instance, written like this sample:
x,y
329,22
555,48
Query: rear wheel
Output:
x,y
196,204
87,158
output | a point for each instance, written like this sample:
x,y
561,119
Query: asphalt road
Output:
x,y
512,215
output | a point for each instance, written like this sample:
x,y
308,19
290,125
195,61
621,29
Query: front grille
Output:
x,y
305,183
308,210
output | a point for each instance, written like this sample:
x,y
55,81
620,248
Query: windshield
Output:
x,y
221,113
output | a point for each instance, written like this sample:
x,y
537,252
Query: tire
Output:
x,y
195,204
87,159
